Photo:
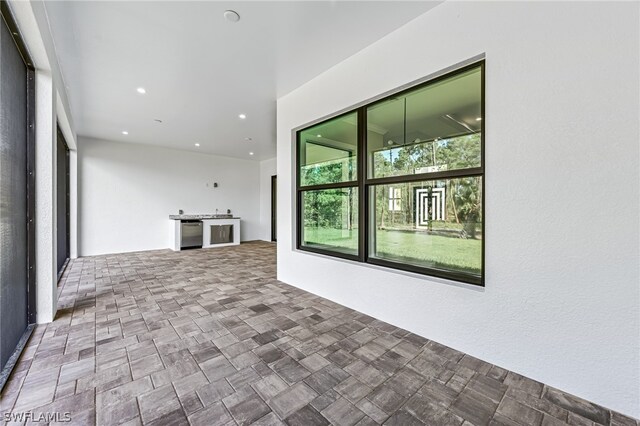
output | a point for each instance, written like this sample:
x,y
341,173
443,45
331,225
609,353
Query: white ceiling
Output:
x,y
201,71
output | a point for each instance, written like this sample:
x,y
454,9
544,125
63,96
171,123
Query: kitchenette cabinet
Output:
x,y
217,230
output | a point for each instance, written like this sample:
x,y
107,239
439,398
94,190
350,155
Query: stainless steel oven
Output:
x,y
191,234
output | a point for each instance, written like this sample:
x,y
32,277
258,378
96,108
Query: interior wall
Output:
x,y
267,169
127,192
562,177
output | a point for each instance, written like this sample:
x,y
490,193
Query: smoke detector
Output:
x,y
231,15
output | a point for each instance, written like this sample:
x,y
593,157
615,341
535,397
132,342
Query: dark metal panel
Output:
x,y
31,196
62,202
274,208
13,195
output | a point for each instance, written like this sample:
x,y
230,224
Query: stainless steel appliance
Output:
x,y
221,234
190,234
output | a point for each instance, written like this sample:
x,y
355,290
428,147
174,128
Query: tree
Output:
x,y
329,208
461,152
467,199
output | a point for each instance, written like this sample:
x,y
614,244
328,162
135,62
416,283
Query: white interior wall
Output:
x,y
267,169
127,192
562,296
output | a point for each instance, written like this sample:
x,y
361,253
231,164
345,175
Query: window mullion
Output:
x,y
449,174
363,197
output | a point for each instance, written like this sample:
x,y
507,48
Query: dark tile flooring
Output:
x,y
210,337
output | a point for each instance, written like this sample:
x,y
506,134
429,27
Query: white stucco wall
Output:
x,y
562,296
127,192
46,276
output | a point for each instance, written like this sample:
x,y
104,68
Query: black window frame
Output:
x,y
323,186
364,183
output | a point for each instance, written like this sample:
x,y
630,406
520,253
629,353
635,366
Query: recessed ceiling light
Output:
x,y
124,132
231,15
242,116
197,144
141,90
479,119
251,153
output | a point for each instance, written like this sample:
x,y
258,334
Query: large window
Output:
x,y
328,187
399,182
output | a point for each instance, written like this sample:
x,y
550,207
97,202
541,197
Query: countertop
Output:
x,y
201,216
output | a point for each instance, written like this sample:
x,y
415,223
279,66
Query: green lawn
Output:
x,y
416,248
332,239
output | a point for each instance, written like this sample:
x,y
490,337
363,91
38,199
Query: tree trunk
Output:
x,y
470,226
453,203
382,207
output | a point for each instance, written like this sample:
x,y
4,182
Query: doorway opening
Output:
x,y
274,207
63,201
